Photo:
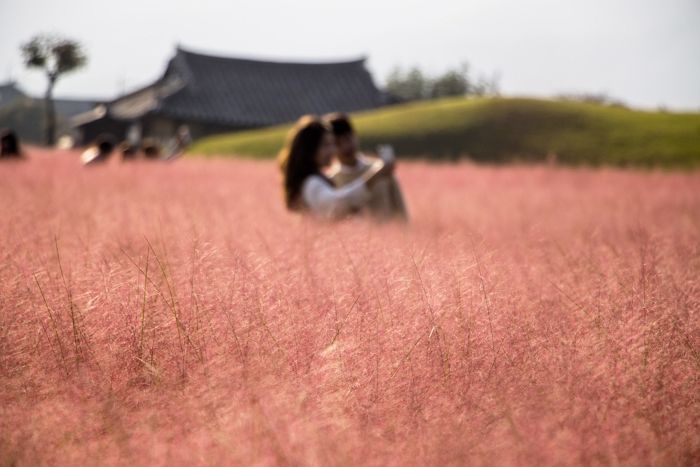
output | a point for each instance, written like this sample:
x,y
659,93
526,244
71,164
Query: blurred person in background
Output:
x,y
128,151
151,149
9,145
386,201
309,149
179,143
99,152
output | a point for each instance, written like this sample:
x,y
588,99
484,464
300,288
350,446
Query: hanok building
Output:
x,y
10,93
18,110
213,94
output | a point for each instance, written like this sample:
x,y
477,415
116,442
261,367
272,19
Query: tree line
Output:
x,y
413,84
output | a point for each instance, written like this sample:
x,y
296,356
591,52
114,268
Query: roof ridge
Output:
x,y
188,52
180,61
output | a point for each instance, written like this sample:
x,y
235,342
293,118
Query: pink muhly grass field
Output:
x,y
176,314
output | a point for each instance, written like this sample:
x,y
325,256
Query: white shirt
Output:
x,y
360,166
327,201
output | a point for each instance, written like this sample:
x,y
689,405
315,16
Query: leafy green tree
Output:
x,y
56,56
408,86
453,83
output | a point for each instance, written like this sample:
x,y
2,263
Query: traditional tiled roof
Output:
x,y
9,92
244,92
71,107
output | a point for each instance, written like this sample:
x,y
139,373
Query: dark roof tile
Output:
x,y
244,92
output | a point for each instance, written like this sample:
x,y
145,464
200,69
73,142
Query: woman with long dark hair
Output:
x,y
309,148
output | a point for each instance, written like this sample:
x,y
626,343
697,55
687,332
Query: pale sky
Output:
x,y
645,52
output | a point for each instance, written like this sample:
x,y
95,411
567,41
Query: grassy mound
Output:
x,y
502,130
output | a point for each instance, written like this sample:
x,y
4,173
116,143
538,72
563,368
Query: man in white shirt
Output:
x,y
386,201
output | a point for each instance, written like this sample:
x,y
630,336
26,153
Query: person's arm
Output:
x,y
331,202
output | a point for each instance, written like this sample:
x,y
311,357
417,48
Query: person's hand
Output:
x,y
387,168
386,154
377,171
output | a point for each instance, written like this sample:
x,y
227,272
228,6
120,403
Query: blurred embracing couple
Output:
x,y
325,174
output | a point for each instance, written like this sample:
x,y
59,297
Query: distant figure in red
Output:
x,y
99,152
9,145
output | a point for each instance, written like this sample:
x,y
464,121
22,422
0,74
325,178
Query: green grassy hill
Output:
x,y
502,130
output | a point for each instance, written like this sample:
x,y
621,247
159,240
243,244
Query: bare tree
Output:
x,y
56,56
